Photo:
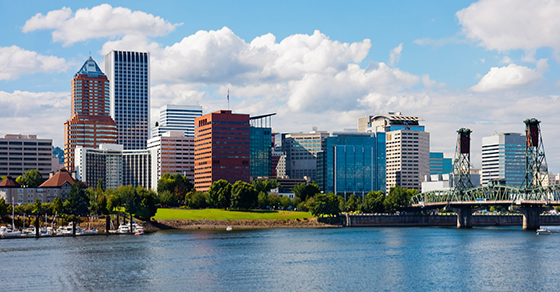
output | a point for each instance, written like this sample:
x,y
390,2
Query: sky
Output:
x,y
485,65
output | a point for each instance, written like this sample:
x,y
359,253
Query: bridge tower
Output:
x,y
462,161
462,177
535,159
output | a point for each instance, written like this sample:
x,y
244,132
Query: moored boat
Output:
x,y
543,231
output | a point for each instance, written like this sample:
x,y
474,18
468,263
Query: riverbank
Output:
x,y
183,224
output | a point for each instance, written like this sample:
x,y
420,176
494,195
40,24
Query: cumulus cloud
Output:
x,y
15,61
99,21
511,77
395,55
513,24
41,113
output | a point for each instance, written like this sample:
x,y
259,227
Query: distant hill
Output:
x,y
58,153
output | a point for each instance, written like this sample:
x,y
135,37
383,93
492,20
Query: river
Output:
x,y
331,259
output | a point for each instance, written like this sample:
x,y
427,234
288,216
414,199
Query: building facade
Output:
x,y
58,185
261,146
129,73
352,163
301,153
19,153
439,164
407,148
177,118
174,155
221,148
90,124
115,166
503,157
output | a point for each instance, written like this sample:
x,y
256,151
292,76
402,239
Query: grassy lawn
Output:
x,y
221,214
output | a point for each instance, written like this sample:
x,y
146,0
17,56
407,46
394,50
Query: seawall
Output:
x,y
403,220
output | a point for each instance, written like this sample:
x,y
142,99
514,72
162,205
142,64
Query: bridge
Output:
x,y
530,199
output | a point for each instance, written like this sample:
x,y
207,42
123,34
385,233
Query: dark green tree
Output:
x,y
178,185
57,206
32,178
130,200
77,204
219,194
102,204
285,202
265,185
196,200
398,197
243,195
3,207
148,203
373,202
352,204
37,207
324,205
166,198
263,200
304,191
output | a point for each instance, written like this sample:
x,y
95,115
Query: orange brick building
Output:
x,y
91,123
221,148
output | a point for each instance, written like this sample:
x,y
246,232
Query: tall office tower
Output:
x,y
129,73
115,166
440,164
177,118
261,145
407,147
221,148
90,124
175,155
503,158
301,153
19,153
352,163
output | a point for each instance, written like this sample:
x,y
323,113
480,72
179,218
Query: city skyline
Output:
x,y
314,64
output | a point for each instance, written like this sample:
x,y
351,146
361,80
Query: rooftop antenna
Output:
x,y
228,99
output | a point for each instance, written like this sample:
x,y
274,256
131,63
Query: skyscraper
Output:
x,y
301,153
90,124
129,73
221,148
503,157
407,147
261,145
177,118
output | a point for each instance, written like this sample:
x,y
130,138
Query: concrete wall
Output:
x,y
439,220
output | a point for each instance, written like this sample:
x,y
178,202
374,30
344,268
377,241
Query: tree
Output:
x,y
219,194
102,204
243,195
398,197
19,180
178,185
196,200
166,198
148,203
304,191
324,205
373,202
77,204
56,206
285,202
262,200
352,204
32,178
130,200
265,185
3,207
38,207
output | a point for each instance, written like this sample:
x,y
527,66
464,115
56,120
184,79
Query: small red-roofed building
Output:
x,y
58,185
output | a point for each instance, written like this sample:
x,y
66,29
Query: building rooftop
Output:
x,y
9,182
57,180
90,69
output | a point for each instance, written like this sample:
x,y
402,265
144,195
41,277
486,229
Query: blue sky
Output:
x,y
486,65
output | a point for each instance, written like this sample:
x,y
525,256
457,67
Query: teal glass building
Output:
x,y
440,164
352,163
260,146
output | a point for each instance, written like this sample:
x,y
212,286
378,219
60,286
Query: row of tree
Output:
x,y
31,178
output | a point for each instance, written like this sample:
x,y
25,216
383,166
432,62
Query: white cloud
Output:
x,y
395,55
99,21
511,77
15,61
506,60
41,113
513,24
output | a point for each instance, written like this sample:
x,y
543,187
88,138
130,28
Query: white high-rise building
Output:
x,y
129,76
177,118
174,154
407,148
115,166
503,158
19,153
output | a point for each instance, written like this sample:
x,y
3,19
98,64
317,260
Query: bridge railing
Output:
x,y
490,193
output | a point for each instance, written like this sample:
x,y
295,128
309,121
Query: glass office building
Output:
x,y
440,164
503,157
129,74
352,163
177,118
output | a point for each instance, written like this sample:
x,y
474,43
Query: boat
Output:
x,y
7,231
543,231
123,228
138,229
229,228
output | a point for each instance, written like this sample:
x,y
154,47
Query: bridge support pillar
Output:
x,y
531,216
464,216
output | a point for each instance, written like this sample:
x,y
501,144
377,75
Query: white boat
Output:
x,y
138,229
67,230
543,231
229,228
7,231
124,228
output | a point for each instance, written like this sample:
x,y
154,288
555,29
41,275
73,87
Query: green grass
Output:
x,y
221,214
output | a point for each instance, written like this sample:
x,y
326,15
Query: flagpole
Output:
x,y
228,99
